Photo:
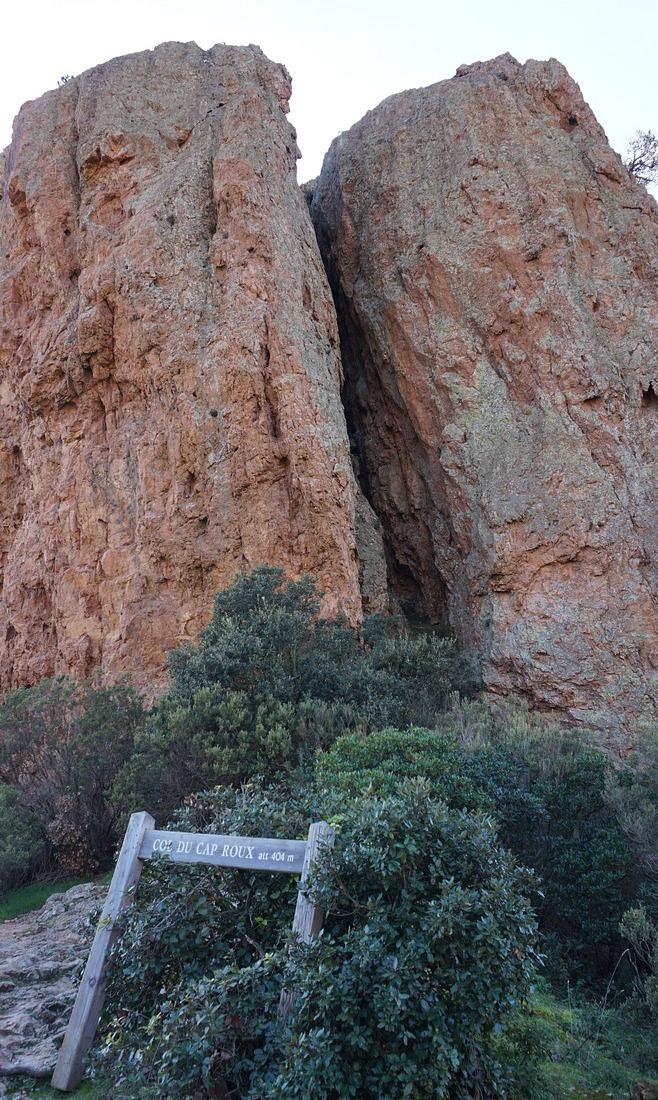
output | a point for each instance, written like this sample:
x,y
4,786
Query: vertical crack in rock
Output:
x,y
404,503
495,270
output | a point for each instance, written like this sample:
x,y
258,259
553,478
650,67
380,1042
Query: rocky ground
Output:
x,y
39,953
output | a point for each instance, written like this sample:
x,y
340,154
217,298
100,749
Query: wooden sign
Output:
x,y
143,842
247,852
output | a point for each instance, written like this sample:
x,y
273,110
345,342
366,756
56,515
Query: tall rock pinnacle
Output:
x,y
169,366
496,272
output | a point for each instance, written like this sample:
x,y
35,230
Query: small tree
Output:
x,y
61,745
269,683
642,161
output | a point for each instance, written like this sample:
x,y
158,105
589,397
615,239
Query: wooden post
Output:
x,y
89,1001
141,842
308,917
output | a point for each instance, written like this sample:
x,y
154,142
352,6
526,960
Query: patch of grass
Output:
x,y
27,1087
27,898
592,1053
18,1087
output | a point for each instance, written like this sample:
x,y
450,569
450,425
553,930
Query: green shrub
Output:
x,y
632,793
268,685
192,919
265,639
546,788
553,815
430,670
424,960
426,956
378,762
642,935
61,745
222,737
22,841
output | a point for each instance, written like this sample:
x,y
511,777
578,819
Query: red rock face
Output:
x,y
497,273
169,365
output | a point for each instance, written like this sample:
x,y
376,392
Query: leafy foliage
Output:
x,y
427,953
642,158
61,746
642,934
425,958
22,840
378,762
546,788
268,684
632,794
556,820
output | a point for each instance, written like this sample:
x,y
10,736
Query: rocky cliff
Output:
x,y
169,364
496,275
170,372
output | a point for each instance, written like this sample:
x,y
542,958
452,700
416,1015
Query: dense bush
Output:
x,y
425,957
548,795
268,684
633,796
546,788
23,844
377,763
427,953
61,746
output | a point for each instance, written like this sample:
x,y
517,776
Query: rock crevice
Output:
x,y
171,379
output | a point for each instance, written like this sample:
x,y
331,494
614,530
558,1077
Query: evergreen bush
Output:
x,y
546,788
269,684
425,958
641,934
23,843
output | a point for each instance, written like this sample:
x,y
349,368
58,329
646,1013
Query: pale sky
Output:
x,y
345,56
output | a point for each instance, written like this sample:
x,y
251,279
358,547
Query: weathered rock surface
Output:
x,y
38,955
169,364
496,270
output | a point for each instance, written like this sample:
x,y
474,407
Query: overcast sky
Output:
x,y
345,56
